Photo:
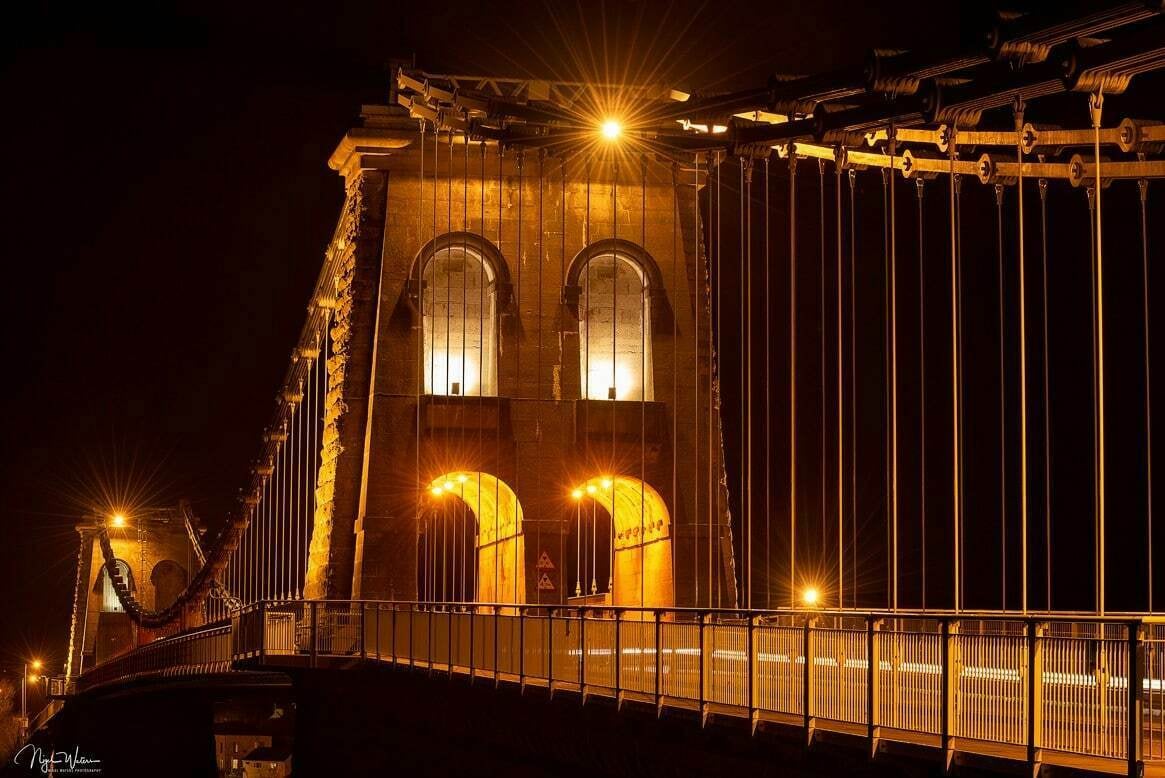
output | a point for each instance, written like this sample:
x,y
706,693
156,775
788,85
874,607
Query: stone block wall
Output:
x,y
538,435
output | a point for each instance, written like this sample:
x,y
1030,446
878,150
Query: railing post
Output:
x,y
618,659
497,643
1035,693
262,632
521,650
703,657
314,637
582,654
1136,766
379,607
472,652
873,660
951,670
449,634
363,629
658,664
751,652
807,680
550,651
945,713
429,642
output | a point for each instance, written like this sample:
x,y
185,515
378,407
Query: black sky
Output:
x,y
166,202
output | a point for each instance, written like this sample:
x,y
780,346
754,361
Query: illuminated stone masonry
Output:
x,y
154,554
529,340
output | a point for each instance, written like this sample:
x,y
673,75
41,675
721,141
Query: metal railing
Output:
x,y
1067,690
1042,690
204,650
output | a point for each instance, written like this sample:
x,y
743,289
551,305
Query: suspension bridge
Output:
x,y
786,405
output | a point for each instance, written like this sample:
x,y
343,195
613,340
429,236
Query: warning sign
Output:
x,y
544,562
545,584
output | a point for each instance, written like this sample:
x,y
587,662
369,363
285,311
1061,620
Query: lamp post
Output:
x,y
27,677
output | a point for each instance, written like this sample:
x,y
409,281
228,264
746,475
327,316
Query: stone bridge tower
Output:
x,y
508,354
156,559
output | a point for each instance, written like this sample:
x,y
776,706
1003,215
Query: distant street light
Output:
x,y
25,680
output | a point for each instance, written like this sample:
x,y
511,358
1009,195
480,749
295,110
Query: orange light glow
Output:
x,y
436,490
810,596
117,521
612,129
577,494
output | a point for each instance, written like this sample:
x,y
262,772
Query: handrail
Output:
x,y
1110,617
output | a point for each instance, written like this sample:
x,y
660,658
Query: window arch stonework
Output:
x,y
460,288
109,601
615,291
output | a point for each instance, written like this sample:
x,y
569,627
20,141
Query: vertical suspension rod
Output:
x,y
1096,105
956,517
792,377
1023,496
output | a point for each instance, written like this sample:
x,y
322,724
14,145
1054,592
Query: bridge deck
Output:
x,y
1043,692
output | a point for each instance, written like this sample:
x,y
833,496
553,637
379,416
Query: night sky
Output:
x,y
166,203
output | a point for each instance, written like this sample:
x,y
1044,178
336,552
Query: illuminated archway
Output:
x,y
642,573
498,538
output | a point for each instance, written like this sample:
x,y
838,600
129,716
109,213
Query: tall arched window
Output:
x,y
615,327
459,301
109,601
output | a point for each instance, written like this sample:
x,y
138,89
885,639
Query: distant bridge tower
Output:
x,y
509,367
156,559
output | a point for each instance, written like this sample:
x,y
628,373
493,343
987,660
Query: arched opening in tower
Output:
x,y
460,329
615,329
471,546
619,548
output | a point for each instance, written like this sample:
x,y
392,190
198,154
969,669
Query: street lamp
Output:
x,y
28,677
810,596
117,521
612,129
